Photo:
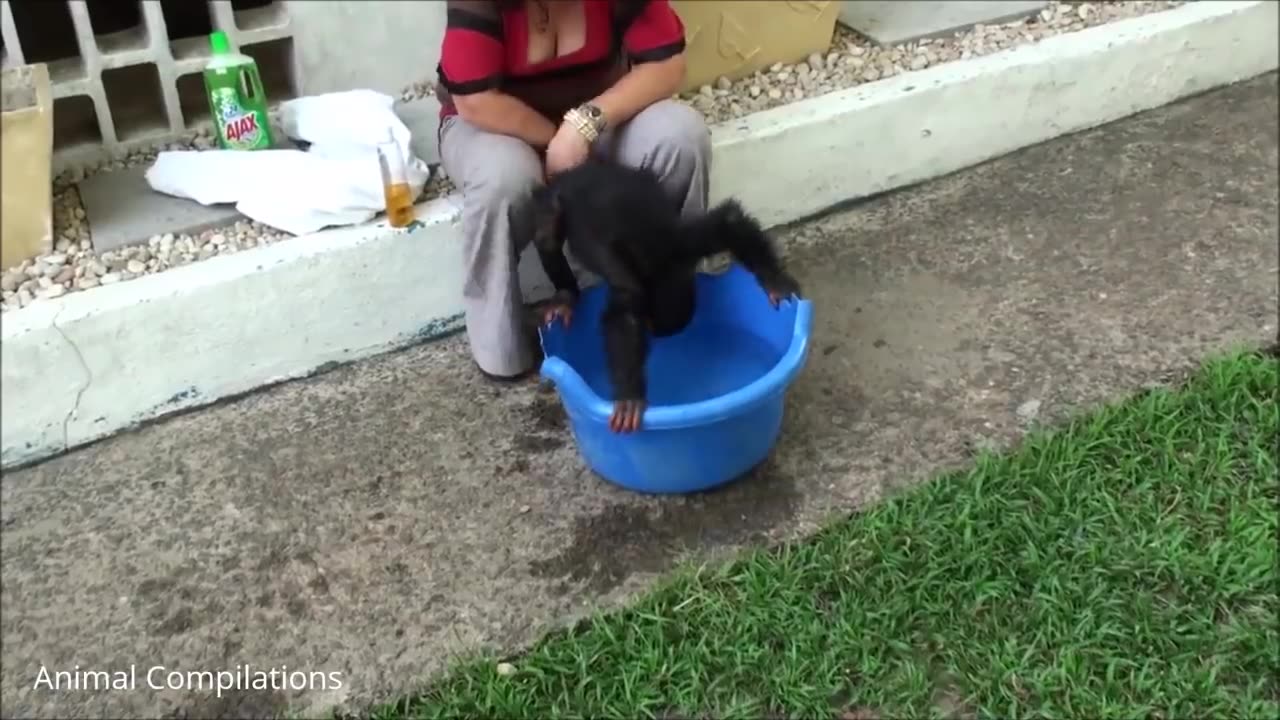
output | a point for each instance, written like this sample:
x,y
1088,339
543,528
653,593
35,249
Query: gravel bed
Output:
x,y
851,60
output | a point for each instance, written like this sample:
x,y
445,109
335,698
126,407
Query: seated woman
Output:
x,y
529,88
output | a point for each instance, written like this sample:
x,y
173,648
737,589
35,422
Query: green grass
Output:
x,y
1124,565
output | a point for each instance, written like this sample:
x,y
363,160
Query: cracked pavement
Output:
x,y
88,380
379,519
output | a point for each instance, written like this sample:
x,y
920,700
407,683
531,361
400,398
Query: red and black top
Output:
x,y
485,48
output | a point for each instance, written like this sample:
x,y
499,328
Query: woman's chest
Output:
x,y
548,36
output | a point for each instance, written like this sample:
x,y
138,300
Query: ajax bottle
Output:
x,y
236,98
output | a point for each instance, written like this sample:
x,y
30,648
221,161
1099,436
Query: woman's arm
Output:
x,y
653,39
471,69
498,112
644,85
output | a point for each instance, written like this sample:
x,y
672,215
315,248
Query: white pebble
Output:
x,y
1028,410
53,291
136,267
110,278
11,281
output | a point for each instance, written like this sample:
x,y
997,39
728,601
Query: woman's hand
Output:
x,y
567,149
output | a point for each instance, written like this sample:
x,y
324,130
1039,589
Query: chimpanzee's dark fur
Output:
x,y
622,226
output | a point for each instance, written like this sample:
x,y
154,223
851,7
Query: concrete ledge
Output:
x,y
81,367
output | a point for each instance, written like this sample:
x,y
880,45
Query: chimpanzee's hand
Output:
x,y
626,415
780,288
559,306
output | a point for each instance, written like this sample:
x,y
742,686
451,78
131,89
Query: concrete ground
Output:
x,y
379,519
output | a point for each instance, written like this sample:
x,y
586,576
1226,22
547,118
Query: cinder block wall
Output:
x,y
122,89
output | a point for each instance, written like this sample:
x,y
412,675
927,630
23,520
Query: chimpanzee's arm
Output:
x,y
624,323
557,268
626,348
548,240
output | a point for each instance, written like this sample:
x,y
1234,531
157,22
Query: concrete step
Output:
x,y
123,210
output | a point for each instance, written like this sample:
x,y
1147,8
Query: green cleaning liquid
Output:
x,y
236,98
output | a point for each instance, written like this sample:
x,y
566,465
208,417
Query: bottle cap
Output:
x,y
219,43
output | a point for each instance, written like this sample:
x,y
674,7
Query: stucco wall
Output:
x,y
382,45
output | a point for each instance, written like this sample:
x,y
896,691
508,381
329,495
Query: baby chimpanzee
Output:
x,y
622,226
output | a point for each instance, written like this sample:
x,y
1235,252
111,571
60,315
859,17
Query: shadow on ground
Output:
x,y
376,520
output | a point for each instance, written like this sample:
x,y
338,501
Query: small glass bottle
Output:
x,y
395,183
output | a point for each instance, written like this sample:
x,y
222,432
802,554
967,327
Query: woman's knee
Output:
x,y
492,171
668,128
502,181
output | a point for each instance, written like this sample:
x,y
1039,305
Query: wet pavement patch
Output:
x,y
649,535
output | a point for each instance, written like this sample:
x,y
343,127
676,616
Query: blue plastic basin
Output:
x,y
716,389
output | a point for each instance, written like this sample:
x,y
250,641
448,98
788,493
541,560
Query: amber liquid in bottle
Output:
x,y
399,204
395,184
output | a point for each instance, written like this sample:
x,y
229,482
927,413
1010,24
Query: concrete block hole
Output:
x,y
192,101
75,122
45,32
188,25
258,14
117,26
276,65
136,100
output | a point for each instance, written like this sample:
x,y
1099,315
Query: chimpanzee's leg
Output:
x,y
673,300
727,227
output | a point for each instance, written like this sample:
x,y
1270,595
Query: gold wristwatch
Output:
x,y
588,120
